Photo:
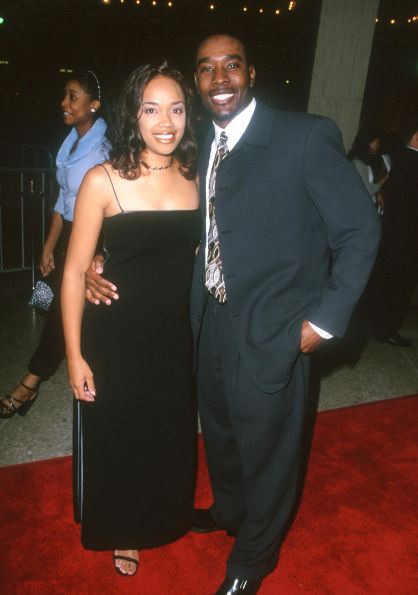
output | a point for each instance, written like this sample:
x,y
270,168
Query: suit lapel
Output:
x,y
239,162
258,132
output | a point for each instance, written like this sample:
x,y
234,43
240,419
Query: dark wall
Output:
x,y
41,36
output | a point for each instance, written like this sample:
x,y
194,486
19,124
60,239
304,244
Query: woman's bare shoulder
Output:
x,y
99,177
96,186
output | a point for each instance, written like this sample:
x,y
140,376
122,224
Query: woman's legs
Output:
x,y
50,351
26,387
45,360
23,395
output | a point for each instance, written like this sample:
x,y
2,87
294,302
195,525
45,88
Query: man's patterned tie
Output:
x,y
214,280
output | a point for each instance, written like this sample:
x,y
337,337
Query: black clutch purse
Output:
x,y
41,297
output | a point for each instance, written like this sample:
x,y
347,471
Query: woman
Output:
x,y
372,166
138,427
84,147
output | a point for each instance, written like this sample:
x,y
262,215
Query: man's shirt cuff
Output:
x,y
321,332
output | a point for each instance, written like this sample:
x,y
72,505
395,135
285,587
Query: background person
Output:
x,y
130,365
372,166
84,147
396,270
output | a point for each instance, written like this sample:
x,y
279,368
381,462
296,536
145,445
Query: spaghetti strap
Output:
x,y
113,188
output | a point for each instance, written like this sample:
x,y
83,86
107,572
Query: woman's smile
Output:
x,y
165,137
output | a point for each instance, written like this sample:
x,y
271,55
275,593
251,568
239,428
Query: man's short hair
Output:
x,y
240,38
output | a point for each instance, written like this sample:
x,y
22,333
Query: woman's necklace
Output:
x,y
157,168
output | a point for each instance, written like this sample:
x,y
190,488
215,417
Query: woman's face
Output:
x,y
374,146
162,116
77,105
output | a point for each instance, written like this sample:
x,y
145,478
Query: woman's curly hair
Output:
x,y
127,143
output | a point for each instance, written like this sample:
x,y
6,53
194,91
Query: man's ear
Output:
x,y
251,74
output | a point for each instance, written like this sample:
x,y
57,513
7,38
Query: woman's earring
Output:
x,y
93,109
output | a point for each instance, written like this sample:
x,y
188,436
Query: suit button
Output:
x,y
236,314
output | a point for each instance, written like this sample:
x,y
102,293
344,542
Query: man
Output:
x,y
395,273
290,239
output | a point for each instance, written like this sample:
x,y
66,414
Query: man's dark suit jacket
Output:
x,y
298,237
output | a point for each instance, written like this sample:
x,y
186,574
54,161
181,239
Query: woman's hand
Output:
x,y
81,379
47,263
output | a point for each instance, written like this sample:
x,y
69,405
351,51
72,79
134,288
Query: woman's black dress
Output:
x,y
136,444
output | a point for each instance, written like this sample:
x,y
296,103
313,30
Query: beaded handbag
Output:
x,y
41,297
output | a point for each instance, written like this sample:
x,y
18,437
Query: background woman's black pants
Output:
x,y
50,352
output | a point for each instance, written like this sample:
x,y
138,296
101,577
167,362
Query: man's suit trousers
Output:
x,y
253,443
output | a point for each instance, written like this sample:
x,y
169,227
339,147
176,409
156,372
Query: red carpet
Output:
x,y
356,530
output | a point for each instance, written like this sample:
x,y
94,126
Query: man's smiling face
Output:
x,y
223,77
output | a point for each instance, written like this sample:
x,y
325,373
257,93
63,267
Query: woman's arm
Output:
x,y
47,262
88,218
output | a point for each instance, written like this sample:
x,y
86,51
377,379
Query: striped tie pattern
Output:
x,y
214,279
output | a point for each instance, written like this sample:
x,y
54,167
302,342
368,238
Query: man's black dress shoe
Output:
x,y
203,522
396,340
238,585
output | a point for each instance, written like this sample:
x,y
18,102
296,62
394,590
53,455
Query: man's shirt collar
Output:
x,y
237,126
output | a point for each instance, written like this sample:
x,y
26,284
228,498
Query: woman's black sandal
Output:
x,y
126,559
24,406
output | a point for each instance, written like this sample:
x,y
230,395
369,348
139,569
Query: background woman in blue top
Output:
x,y
84,147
